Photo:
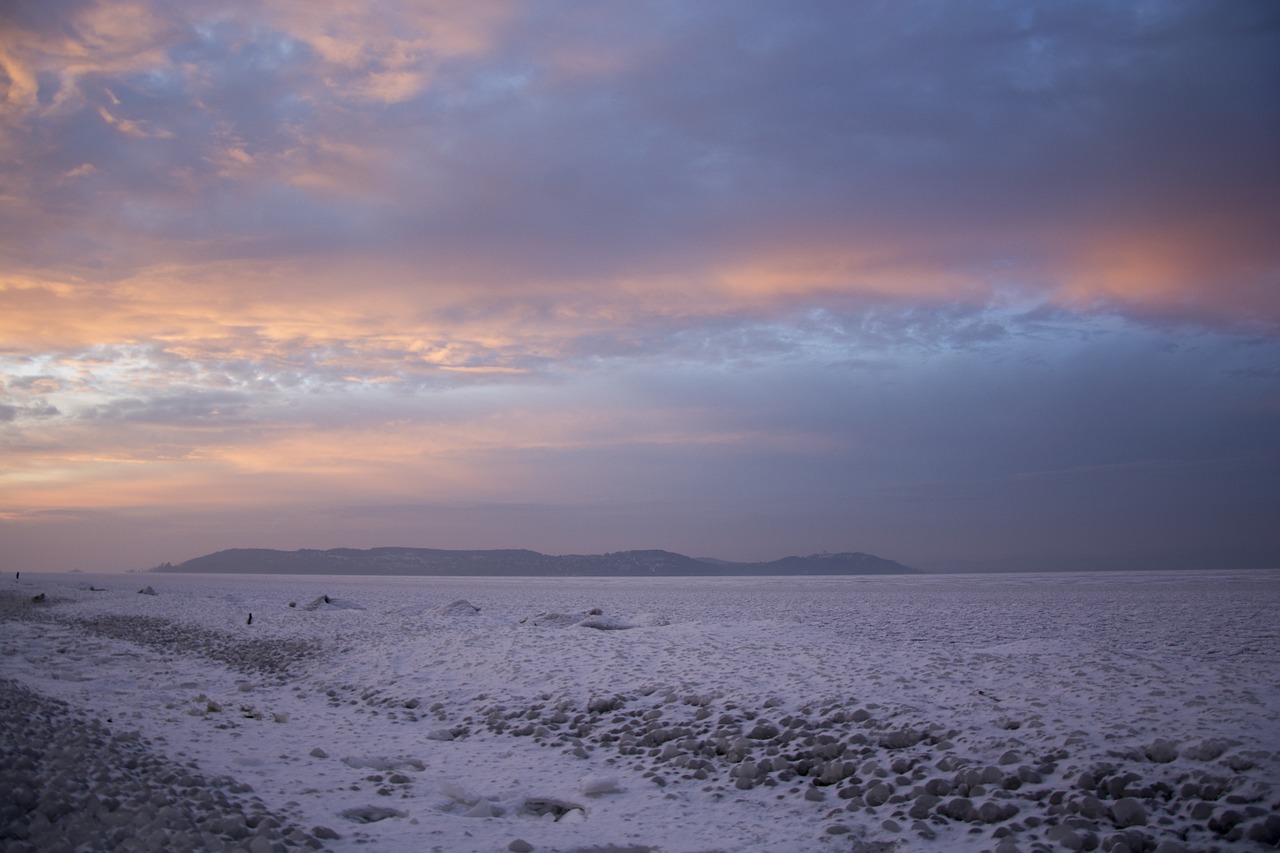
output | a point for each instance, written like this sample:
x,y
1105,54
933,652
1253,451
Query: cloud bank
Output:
x,y
967,285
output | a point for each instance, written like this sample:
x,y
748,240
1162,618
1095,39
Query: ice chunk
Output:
x,y
459,793
597,784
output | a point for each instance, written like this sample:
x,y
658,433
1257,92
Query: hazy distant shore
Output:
x,y
521,563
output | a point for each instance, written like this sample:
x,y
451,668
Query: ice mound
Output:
x,y
556,619
384,763
327,602
458,793
460,799
371,814
446,734
543,806
614,623
593,618
606,623
455,608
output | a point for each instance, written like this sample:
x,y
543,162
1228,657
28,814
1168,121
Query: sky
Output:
x,y
972,286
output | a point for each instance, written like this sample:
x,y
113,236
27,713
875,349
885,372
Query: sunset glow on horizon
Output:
x,y
968,286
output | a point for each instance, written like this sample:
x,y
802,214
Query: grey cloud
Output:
x,y
913,115
831,334
46,17
32,383
10,413
1146,443
723,126
192,408
1011,406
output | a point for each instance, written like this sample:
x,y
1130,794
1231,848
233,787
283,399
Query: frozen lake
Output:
x,y
952,712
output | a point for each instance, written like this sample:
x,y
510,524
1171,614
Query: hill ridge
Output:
x,y
520,562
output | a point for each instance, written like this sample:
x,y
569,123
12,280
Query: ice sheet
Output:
x,y
694,715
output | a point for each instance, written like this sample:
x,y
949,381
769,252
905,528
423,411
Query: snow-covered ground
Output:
x,y
975,712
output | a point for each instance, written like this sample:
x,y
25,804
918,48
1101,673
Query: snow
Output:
x,y
957,712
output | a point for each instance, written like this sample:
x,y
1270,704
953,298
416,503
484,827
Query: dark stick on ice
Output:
x,y
250,622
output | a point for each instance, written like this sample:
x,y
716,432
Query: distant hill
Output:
x,y
519,563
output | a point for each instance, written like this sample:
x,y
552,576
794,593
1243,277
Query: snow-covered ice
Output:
x,y
968,712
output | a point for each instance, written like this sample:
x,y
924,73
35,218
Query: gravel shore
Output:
x,y
71,784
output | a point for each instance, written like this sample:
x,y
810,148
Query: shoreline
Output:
x,y
73,782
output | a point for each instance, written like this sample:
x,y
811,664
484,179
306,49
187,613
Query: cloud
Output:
x,y
923,453
903,150
820,256
12,413
194,408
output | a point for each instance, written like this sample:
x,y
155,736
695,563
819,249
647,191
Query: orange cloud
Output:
x,y
102,39
872,272
1204,271
374,59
